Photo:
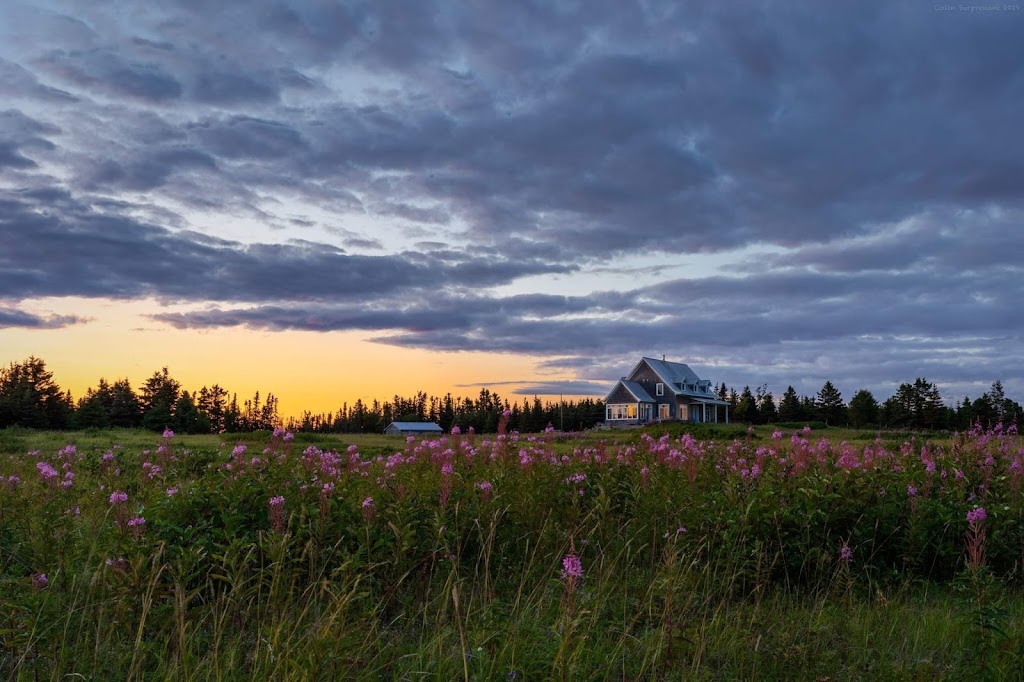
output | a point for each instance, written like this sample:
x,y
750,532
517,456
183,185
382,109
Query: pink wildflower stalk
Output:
x,y
135,525
485,488
975,543
277,518
118,498
572,572
369,510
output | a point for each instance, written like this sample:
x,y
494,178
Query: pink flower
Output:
x,y
369,509
48,473
572,571
976,516
846,554
117,497
39,581
135,525
168,433
171,492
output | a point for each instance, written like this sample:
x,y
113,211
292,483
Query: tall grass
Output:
x,y
701,559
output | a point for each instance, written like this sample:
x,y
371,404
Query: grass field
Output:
x,y
714,553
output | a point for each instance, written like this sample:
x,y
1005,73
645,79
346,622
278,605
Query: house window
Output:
x,y
663,411
659,388
622,411
684,412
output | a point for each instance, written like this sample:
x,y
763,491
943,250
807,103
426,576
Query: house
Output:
x,y
412,428
657,390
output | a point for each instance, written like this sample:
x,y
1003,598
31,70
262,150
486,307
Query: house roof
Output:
x,y
672,372
636,389
415,426
707,401
679,378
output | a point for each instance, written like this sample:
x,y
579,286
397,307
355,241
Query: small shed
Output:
x,y
412,428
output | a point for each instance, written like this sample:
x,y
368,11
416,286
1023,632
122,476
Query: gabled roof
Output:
x,y
671,372
676,376
415,426
633,387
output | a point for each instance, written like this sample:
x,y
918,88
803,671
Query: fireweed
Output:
x,y
782,510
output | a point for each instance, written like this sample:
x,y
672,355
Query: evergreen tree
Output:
x,y
125,408
863,409
187,417
789,407
212,402
766,410
917,405
90,412
30,397
746,408
158,397
997,398
829,405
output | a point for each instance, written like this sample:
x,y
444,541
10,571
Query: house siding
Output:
x,y
648,378
621,395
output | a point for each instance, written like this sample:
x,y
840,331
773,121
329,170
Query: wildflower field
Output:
x,y
634,555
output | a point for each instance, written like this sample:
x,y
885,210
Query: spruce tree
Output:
x,y
829,405
789,407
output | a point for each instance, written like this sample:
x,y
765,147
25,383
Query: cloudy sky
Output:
x,y
334,200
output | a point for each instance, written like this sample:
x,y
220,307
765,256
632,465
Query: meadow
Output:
x,y
703,554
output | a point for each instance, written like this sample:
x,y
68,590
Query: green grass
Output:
x,y
442,581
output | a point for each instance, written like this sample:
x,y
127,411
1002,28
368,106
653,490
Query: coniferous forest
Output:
x,y
31,397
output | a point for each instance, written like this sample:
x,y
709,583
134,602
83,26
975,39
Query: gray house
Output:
x,y
412,428
657,390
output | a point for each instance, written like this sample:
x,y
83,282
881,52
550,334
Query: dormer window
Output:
x,y
659,388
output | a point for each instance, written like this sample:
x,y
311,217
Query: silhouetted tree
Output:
x,y
746,408
158,397
789,406
30,397
125,408
829,405
766,411
863,409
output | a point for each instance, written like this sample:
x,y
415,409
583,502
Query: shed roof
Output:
x,y
415,426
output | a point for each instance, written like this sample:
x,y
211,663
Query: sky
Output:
x,y
339,200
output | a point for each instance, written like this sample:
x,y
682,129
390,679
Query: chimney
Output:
x,y
663,357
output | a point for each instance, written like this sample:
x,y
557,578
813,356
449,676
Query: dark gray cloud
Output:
x,y
57,246
17,81
13,317
868,158
108,73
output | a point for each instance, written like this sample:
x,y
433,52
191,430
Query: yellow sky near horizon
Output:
x,y
315,371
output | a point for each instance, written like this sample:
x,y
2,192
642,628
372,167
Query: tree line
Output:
x,y
917,405
481,414
30,397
